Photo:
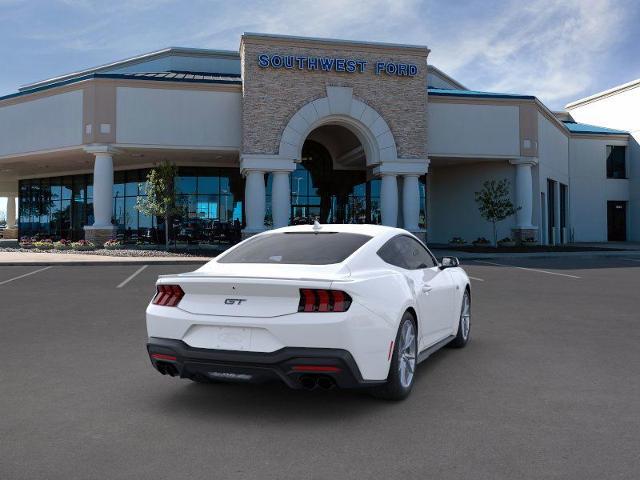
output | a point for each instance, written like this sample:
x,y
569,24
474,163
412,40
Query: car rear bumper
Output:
x,y
297,367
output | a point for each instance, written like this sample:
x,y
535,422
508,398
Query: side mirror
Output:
x,y
449,262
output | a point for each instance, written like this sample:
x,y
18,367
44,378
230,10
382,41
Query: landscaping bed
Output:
x,y
107,252
526,249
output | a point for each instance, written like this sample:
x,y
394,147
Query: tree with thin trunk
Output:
x,y
160,199
494,203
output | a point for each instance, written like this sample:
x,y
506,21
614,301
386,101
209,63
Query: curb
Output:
x,y
551,256
97,264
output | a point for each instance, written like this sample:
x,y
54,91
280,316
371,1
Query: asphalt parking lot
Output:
x,y
547,388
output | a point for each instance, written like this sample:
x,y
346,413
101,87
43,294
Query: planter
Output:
x,y
506,244
457,245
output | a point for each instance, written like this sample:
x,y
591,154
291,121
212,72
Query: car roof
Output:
x,y
364,229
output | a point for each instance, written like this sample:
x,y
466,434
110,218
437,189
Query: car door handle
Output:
x,y
426,288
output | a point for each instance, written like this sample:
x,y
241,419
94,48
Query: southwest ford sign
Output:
x,y
333,64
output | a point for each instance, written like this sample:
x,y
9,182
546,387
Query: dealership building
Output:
x,y
290,129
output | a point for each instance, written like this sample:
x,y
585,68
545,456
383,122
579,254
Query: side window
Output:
x,y
405,252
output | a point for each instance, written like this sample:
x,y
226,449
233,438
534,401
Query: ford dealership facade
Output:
x,y
291,129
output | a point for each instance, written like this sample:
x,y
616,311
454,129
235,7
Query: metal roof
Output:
x,y
135,60
444,92
187,77
585,128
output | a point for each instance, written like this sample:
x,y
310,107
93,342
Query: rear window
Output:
x,y
297,248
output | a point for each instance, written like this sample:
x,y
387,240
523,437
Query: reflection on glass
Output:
x,y
61,207
186,185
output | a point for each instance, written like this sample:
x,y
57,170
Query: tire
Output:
x,y
403,362
464,324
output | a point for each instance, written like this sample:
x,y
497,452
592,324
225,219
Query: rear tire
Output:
x,y
403,362
464,324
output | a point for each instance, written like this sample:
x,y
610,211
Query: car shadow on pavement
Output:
x,y
276,402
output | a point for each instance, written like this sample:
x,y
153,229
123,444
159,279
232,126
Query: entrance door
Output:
x,y
617,221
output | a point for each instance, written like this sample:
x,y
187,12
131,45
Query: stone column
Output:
x,y
102,228
11,232
11,212
389,199
280,199
411,202
255,202
524,198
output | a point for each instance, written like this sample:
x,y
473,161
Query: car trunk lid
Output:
x,y
251,290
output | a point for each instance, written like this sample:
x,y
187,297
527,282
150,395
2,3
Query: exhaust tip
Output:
x,y
326,383
308,382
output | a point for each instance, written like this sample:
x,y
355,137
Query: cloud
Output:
x,y
547,48
557,50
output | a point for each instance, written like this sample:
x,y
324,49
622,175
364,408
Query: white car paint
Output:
x,y
268,319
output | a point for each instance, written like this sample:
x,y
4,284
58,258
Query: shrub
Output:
x,y
112,244
26,242
62,245
83,245
43,244
457,241
481,241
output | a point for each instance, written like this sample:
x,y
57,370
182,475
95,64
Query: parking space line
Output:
x,y
132,276
475,278
25,275
529,269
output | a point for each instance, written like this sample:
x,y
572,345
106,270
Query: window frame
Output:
x,y
608,150
417,240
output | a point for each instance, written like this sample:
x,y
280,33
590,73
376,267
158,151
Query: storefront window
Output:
x,y
210,198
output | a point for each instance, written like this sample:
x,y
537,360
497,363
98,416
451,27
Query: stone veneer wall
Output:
x,y
272,96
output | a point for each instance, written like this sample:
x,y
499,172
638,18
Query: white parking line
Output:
x,y
132,276
529,269
475,278
25,275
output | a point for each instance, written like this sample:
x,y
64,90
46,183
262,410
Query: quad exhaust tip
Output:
x,y
311,382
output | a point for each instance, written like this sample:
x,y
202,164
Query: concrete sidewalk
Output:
x,y
439,253
38,259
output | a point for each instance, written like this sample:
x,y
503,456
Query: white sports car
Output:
x,y
313,306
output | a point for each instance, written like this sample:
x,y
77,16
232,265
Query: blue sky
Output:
x,y
557,50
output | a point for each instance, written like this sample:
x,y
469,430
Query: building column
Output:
x,y
411,202
11,232
280,199
11,212
255,201
102,228
524,198
389,199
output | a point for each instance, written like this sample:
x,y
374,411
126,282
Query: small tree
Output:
x,y
494,203
160,199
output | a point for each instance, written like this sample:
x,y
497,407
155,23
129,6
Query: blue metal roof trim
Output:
x,y
585,128
226,80
444,92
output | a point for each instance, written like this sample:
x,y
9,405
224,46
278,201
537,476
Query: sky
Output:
x,y
557,50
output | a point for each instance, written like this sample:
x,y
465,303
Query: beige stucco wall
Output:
x,y
272,96
45,123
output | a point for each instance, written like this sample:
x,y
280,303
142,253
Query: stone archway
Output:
x,y
339,107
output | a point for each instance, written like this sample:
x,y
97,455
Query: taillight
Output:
x,y
168,295
320,300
